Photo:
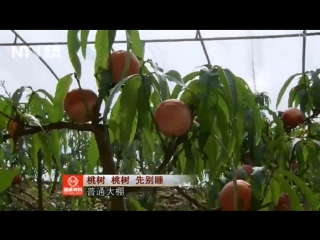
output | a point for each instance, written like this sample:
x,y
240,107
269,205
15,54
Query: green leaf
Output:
x,y
137,46
314,78
48,95
115,90
278,122
174,76
295,202
93,155
6,177
102,50
258,177
303,99
159,82
314,95
294,94
303,187
114,119
259,174
17,95
292,146
191,76
143,104
39,106
258,152
84,39
266,200
229,84
135,205
128,110
61,92
176,91
105,84
127,62
275,189
112,38
248,97
35,146
148,145
5,108
32,120
182,162
284,88
54,140
190,160
44,145
163,86
73,48
1,141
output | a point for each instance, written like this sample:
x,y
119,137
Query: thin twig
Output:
x,y
39,181
56,175
149,108
4,88
267,184
21,200
24,192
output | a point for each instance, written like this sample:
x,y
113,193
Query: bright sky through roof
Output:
x,y
274,59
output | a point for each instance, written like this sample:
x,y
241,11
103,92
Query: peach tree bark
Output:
x,y
107,162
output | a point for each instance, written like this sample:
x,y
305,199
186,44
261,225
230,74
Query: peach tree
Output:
x,y
224,127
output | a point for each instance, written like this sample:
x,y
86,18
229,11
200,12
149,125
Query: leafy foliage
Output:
x,y
232,126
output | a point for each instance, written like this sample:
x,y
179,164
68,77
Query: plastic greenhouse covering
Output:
x,y
264,58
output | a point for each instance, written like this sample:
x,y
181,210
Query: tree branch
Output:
x,y
191,199
108,165
53,126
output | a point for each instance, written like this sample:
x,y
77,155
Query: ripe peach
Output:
x,y
12,127
247,159
79,104
173,118
283,203
245,168
294,165
16,180
227,196
116,64
292,117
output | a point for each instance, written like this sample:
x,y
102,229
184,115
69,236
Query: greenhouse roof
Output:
x,y
264,58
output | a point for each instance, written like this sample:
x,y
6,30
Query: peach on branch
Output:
x,y
79,104
173,118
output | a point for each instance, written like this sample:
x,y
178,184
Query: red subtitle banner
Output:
x,y
73,184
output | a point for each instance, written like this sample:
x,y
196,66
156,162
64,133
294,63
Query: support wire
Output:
x,y
176,40
198,36
34,52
